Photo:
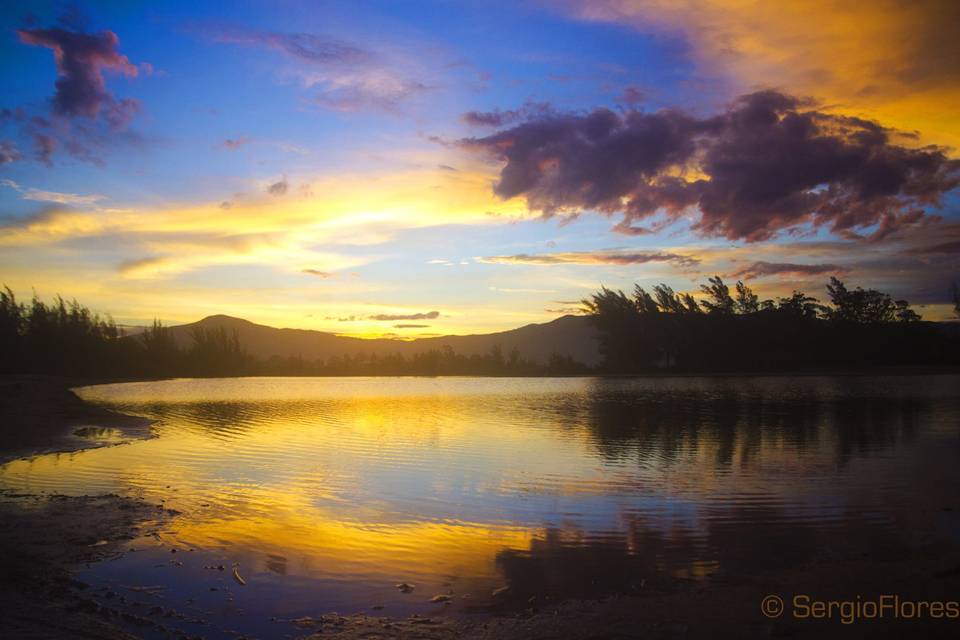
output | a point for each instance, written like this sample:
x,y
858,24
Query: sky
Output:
x,y
425,168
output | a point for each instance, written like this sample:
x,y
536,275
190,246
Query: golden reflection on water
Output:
x,y
486,481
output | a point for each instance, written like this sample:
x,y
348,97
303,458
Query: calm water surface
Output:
x,y
329,491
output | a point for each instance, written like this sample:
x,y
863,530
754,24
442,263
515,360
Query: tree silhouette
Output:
x,y
667,330
718,297
644,301
747,300
801,305
866,306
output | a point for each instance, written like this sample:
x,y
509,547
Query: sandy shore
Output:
x,y
39,414
44,539
720,609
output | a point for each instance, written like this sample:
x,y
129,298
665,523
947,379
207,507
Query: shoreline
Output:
x,y
901,370
40,414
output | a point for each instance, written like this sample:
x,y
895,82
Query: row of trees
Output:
x,y
662,329
735,330
859,305
65,338
436,362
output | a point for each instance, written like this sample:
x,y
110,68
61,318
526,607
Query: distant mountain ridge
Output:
x,y
571,336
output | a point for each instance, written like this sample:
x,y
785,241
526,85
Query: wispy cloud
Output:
x,y
39,195
232,144
430,315
9,152
520,290
762,269
594,257
347,76
278,188
500,118
142,266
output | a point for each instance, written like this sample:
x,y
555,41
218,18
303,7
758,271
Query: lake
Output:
x,y
328,492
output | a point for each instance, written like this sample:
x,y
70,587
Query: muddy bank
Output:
x,y
43,540
729,608
39,414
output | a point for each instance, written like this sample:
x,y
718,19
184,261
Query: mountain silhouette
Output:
x,y
571,336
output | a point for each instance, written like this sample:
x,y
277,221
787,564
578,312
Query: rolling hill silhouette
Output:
x,y
572,336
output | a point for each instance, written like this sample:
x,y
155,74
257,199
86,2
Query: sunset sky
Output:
x,y
423,168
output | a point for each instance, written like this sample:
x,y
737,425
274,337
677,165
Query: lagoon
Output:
x,y
328,492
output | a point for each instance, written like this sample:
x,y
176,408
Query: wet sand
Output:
x,y
39,414
727,609
44,540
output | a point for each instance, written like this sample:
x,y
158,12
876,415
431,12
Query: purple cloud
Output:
x,y
307,47
631,95
594,257
770,163
8,152
349,77
760,269
45,147
935,249
498,118
233,144
81,59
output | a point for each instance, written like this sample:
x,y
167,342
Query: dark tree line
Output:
x,y
647,331
735,330
436,362
65,338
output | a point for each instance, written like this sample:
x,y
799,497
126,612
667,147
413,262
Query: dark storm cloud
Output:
x,y
593,257
430,315
769,163
81,59
760,269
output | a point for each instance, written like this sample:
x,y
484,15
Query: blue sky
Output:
x,y
297,163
